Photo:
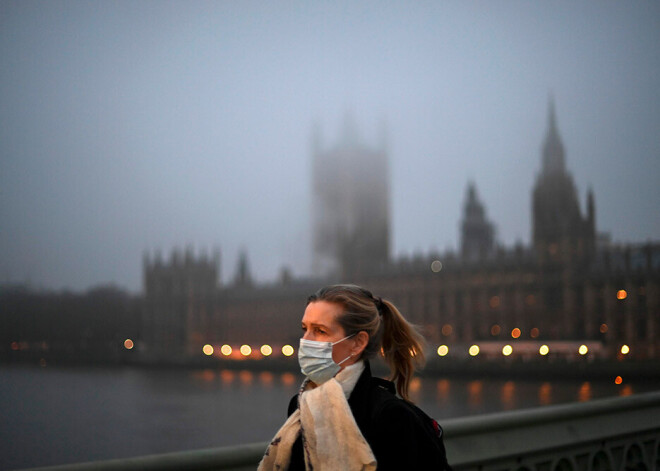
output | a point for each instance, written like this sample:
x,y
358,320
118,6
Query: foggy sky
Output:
x,y
131,126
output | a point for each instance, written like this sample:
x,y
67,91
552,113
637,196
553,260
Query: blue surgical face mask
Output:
x,y
315,359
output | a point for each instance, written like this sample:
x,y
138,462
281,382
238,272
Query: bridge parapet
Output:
x,y
614,434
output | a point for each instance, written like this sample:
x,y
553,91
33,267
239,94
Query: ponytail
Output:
x,y
402,347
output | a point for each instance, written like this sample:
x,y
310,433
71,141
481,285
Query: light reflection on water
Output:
x,y
83,414
545,394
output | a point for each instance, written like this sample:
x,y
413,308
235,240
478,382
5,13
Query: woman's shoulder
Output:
x,y
398,425
385,404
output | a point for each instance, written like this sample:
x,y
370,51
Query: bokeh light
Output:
x,y
226,350
207,349
266,350
287,350
474,350
443,350
246,350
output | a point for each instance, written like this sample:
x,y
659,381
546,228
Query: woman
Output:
x,y
343,418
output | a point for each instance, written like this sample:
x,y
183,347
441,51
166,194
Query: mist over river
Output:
x,y
62,415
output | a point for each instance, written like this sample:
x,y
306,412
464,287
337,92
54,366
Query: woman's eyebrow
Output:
x,y
316,324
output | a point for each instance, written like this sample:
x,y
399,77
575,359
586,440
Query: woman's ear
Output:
x,y
361,342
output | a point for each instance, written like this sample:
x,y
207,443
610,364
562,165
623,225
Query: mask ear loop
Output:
x,y
341,340
349,356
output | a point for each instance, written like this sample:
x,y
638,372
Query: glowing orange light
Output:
x,y
495,330
515,333
266,350
585,392
246,350
207,349
618,380
226,350
447,330
443,350
534,333
128,344
287,350
621,294
625,349
583,350
474,350
507,350
603,328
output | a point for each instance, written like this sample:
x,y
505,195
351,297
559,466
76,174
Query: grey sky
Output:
x,y
128,126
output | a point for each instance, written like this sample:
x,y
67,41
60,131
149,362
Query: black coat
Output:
x,y
393,430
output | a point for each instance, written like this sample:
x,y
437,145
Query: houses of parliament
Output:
x,y
569,288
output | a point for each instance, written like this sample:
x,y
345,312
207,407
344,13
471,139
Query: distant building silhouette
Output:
x,y
350,213
477,233
243,276
569,285
559,232
180,298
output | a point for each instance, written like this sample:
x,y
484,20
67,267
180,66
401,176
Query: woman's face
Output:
x,y
320,323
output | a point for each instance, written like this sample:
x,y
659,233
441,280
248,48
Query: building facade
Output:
x,y
565,289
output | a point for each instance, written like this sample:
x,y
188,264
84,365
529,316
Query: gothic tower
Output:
x,y
350,212
477,233
559,231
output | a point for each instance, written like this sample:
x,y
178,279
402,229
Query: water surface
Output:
x,y
63,415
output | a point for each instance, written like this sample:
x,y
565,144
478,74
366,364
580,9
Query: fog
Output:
x,y
133,126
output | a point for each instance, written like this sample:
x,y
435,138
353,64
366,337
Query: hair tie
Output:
x,y
379,305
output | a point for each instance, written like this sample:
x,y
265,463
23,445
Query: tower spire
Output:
x,y
552,116
553,148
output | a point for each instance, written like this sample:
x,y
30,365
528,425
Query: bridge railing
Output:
x,y
617,434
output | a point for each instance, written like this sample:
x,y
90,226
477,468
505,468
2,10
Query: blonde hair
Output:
x,y
390,334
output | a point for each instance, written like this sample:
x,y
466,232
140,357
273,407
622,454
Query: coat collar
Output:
x,y
362,395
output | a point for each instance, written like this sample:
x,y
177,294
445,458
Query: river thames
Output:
x,y
63,415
